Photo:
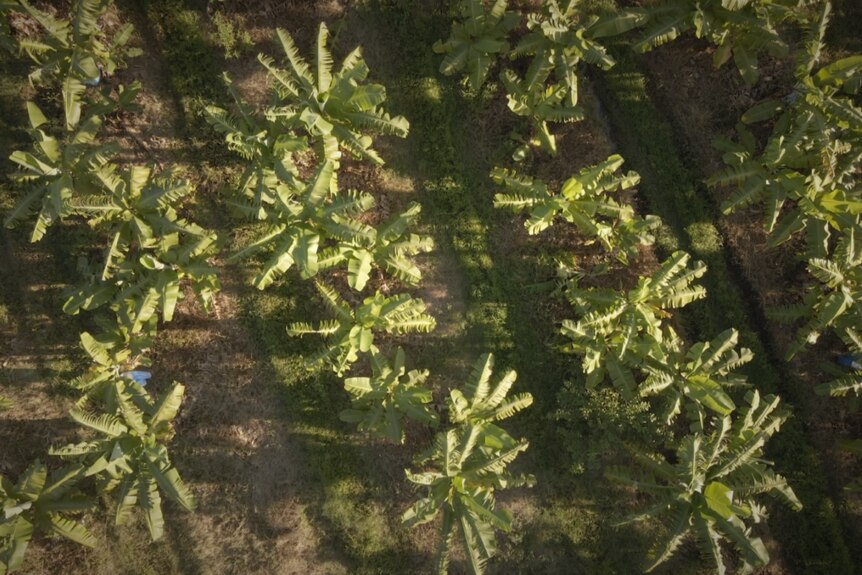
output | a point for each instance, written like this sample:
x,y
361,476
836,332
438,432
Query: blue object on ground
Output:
x,y
850,360
140,377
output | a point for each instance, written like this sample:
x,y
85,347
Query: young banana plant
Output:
x,y
480,402
467,465
382,402
700,375
558,39
476,39
388,248
130,456
540,104
353,330
56,170
822,201
845,383
39,502
151,248
708,490
267,146
299,220
316,229
75,52
119,347
583,200
334,109
618,330
835,302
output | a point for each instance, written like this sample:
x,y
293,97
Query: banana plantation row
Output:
x,y
804,173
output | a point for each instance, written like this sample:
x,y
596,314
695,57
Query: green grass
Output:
x,y
812,540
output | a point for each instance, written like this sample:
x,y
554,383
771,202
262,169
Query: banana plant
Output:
x,y
151,283
120,345
739,29
353,330
810,160
707,491
130,456
5,403
790,173
75,52
56,170
381,403
334,109
39,502
315,229
151,249
299,219
702,375
267,146
583,200
559,38
480,402
467,465
618,330
845,383
835,302
541,104
476,39
388,247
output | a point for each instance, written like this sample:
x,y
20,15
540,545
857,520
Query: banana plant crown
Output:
x,y
463,470
38,502
476,39
56,170
617,330
120,345
353,329
131,453
267,145
702,374
387,247
468,464
541,104
482,402
558,39
151,248
315,229
382,402
334,109
583,200
708,491
75,52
